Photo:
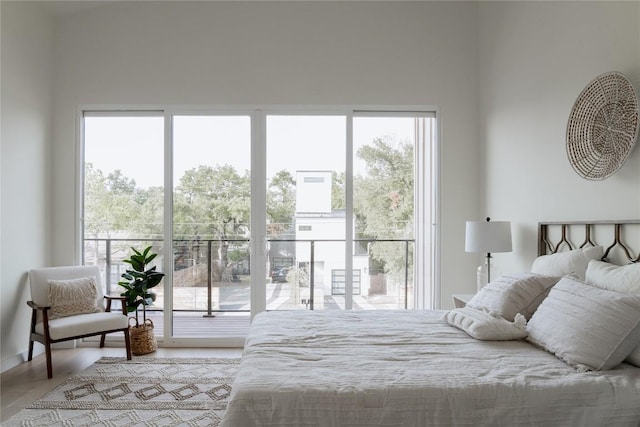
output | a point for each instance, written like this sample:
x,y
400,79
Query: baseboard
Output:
x,y
12,362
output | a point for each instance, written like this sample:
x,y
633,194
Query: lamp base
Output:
x,y
482,276
486,273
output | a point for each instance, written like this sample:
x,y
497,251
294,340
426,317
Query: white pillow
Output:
x,y
481,325
624,278
634,357
564,263
588,327
509,295
73,296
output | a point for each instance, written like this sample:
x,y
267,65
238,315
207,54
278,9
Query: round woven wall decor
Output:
x,y
603,126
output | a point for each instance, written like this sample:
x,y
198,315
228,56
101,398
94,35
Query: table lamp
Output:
x,y
487,237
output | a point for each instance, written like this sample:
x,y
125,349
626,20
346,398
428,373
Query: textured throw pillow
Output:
x,y
588,327
73,296
565,263
624,278
481,325
512,294
634,357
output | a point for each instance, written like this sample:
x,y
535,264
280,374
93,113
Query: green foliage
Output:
x,y
338,183
114,205
212,203
383,200
281,200
139,280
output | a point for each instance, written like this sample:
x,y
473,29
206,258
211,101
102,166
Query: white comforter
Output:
x,y
410,368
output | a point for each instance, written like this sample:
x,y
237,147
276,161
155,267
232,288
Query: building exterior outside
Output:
x,y
319,227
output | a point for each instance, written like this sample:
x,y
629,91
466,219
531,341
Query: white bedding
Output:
x,y
410,368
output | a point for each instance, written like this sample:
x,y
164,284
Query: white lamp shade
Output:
x,y
488,236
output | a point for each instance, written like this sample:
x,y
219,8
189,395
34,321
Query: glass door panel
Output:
x,y
123,189
384,207
211,212
305,209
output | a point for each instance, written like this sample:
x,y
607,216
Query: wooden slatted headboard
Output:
x,y
620,239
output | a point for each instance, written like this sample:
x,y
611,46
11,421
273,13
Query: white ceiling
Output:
x,y
67,7
61,8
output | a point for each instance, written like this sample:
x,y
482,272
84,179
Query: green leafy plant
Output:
x,y
139,280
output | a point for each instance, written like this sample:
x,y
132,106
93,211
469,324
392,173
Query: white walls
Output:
x,y
381,53
535,58
27,66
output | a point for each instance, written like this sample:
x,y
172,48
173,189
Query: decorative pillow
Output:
x,y
587,327
634,357
564,263
73,296
481,325
624,278
509,295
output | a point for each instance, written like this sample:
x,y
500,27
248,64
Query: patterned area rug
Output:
x,y
145,391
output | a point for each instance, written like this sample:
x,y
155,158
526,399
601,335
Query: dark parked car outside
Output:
x,y
279,274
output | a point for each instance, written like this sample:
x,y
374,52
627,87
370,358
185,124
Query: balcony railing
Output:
x,y
224,264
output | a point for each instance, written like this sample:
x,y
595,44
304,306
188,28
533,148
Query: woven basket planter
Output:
x,y
603,126
142,338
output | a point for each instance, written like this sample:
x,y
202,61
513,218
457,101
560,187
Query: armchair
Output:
x,y
68,303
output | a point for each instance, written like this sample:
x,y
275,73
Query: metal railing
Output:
x,y
211,245
312,243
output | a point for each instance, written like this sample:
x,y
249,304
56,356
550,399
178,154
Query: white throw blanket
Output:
x,y
410,368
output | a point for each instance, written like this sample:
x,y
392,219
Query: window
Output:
x,y
266,210
314,179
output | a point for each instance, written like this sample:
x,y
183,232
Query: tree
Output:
x,y
281,200
117,183
115,207
383,199
338,182
109,203
213,203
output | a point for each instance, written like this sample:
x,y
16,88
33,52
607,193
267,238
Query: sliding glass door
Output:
x,y
384,210
211,230
267,210
305,209
123,197
344,237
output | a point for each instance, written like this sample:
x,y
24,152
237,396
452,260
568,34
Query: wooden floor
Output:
x,y
27,382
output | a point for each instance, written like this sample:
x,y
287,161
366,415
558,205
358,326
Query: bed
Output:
x,y
419,367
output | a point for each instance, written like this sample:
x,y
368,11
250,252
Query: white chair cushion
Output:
x,y
39,281
84,324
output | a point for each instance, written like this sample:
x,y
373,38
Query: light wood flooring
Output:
x,y
28,381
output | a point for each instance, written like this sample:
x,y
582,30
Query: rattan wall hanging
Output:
x,y
603,126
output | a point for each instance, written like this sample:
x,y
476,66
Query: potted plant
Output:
x,y
137,284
